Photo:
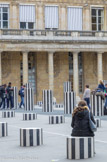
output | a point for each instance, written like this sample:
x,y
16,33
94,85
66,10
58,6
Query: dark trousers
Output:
x,y
10,100
3,103
88,101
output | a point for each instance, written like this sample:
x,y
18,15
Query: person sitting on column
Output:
x,y
101,86
80,120
10,95
86,95
21,93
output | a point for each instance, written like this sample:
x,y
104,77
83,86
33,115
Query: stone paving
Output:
x,y
54,144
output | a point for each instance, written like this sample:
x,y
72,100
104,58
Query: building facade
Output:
x,y
49,42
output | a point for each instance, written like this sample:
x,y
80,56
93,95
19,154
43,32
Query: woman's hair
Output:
x,y
87,86
82,103
101,82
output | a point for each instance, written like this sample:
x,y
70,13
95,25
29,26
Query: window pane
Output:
x,y
94,27
94,12
99,27
93,19
5,24
0,16
23,25
5,9
30,25
5,16
0,24
100,12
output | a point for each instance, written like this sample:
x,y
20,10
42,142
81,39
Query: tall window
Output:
x,y
51,17
97,19
75,18
27,16
4,16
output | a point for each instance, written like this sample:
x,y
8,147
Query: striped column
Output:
x,y
97,105
56,119
31,137
67,87
3,129
59,106
29,116
29,99
8,114
28,85
98,122
47,100
80,147
40,103
15,97
69,102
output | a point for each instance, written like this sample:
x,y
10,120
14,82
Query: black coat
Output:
x,y
80,124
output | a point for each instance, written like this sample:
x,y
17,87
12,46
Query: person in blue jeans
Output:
x,y
10,96
86,95
21,93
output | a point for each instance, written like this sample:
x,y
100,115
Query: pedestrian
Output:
x,y
86,95
105,105
4,95
80,120
101,86
10,95
21,93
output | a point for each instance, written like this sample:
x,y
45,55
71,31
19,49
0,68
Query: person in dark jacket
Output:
x,y
21,93
10,95
3,96
101,86
80,120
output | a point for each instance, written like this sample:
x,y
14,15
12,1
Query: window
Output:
x,y
74,18
4,16
27,16
97,19
51,17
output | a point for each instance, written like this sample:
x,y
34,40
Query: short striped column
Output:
x,y
8,114
98,122
29,99
56,119
97,105
15,97
29,116
31,137
69,102
80,147
39,103
3,129
59,106
67,87
47,101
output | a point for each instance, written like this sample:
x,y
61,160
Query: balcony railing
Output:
x,y
63,33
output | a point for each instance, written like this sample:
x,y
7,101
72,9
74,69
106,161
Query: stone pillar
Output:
x,y
86,19
0,70
75,73
99,66
51,70
63,18
25,67
40,17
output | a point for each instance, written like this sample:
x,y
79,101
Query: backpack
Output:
x,y
19,93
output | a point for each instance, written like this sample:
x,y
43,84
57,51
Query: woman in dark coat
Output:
x,y
80,121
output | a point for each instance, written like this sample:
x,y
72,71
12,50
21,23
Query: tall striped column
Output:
x,y
80,147
31,137
28,85
97,105
69,102
29,99
47,100
15,97
67,86
3,129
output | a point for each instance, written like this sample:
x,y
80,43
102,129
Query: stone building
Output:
x,y
48,42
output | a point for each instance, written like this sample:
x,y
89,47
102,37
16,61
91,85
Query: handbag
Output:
x,y
92,126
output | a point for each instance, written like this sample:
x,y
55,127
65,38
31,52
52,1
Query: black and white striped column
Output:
x,y
3,129
56,119
47,100
67,87
29,116
29,99
28,85
31,137
80,147
69,102
97,105
15,97
98,122
8,114
59,106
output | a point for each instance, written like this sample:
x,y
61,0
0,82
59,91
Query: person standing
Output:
x,y
105,105
86,95
21,93
10,95
101,86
